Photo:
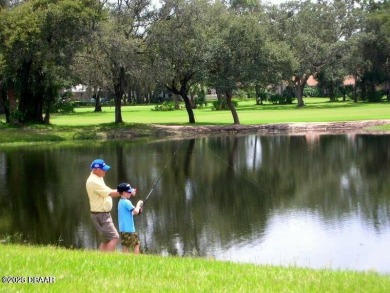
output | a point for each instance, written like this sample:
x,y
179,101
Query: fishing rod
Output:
x,y
163,171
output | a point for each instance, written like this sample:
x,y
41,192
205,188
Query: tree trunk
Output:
x,y
118,95
31,104
47,116
98,106
363,90
118,110
299,86
187,102
4,101
259,96
355,99
230,104
219,97
332,95
10,104
183,93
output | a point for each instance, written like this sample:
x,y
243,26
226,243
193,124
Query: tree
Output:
x,y
346,59
38,40
117,50
242,56
313,32
3,4
376,50
179,43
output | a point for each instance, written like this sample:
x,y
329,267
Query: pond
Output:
x,y
318,201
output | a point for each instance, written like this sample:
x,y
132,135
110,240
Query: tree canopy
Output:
x,y
130,47
38,40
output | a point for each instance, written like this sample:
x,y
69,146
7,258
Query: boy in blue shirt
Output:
x,y
126,211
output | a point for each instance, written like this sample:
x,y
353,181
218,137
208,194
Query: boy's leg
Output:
x,y
125,242
136,249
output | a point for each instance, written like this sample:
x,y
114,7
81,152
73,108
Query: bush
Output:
x,y
241,94
16,116
281,99
309,91
63,106
261,97
165,106
222,105
81,104
375,97
201,101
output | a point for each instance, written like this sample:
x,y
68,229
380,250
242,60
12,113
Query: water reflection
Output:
x,y
317,201
345,243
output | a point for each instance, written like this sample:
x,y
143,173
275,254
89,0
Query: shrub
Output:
x,y
281,99
222,105
261,97
63,106
309,91
165,106
200,101
375,96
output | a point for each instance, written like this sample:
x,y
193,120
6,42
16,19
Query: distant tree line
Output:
x,y
136,49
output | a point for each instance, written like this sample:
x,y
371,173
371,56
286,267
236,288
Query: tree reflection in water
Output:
x,y
252,198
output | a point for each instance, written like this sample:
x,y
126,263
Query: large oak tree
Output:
x,y
38,40
179,44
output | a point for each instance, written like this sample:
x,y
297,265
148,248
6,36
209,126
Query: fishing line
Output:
x,y
244,176
163,171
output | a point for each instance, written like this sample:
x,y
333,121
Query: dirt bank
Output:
x,y
189,131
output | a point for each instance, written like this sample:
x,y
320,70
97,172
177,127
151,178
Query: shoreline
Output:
x,y
295,128
39,135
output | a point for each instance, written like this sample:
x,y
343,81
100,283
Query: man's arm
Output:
x,y
114,193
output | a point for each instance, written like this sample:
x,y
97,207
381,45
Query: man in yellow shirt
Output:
x,y
100,200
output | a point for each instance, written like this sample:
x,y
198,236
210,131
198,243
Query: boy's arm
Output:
x,y
138,208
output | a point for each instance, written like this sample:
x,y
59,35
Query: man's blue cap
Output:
x,y
100,164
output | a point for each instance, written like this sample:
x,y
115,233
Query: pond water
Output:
x,y
319,201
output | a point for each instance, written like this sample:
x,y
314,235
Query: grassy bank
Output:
x,y
91,271
85,124
316,110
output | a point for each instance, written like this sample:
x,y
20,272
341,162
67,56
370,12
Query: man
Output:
x,y
100,200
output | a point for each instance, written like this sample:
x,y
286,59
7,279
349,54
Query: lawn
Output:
x,y
92,271
316,110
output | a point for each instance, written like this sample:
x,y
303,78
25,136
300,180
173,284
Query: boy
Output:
x,y
126,211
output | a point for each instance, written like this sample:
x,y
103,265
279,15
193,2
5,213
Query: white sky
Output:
x,y
275,1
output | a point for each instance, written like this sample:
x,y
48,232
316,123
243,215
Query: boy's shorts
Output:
x,y
129,240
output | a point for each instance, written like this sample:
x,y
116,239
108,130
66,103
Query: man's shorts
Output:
x,y
129,240
105,226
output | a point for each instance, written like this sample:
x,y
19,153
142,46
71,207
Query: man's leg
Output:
x,y
111,245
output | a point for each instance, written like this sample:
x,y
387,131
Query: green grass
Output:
x,y
85,124
316,110
92,271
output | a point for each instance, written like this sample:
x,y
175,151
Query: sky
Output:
x,y
275,1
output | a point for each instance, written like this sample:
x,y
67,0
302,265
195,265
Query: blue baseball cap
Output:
x,y
100,164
